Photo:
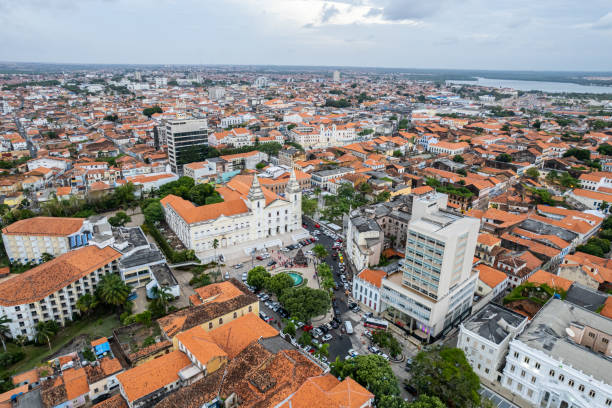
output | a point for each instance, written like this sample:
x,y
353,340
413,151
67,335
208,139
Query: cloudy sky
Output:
x,y
470,34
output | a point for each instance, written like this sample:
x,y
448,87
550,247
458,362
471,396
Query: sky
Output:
x,y
554,35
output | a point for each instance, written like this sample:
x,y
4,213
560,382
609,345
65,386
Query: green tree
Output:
x,y
257,277
383,196
278,283
371,371
45,331
580,154
309,206
397,153
446,373
324,350
304,302
504,157
605,149
532,173
4,329
87,303
290,328
119,219
319,251
403,124
46,257
261,165
148,112
305,339
112,290
458,158
162,296
154,212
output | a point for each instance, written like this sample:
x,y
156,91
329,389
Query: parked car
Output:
x,y
265,297
283,313
353,353
317,226
259,258
263,316
316,333
327,337
373,349
272,263
238,266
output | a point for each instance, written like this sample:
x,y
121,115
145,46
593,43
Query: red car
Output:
x,y
339,240
317,226
307,328
259,258
304,226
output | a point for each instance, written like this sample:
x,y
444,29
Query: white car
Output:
x,y
353,353
327,337
309,252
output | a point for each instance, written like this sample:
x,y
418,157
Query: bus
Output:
x,y
377,324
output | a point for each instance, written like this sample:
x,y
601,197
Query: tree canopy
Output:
x,y
257,277
446,373
148,112
305,303
371,371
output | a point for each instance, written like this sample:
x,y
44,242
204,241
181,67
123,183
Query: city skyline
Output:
x,y
362,33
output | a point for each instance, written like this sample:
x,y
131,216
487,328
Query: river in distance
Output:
x,y
552,87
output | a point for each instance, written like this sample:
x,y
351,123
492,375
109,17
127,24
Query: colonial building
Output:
x,y
249,213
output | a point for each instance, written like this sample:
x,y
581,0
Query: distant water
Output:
x,y
552,87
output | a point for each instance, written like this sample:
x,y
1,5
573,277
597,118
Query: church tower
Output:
x,y
293,193
257,203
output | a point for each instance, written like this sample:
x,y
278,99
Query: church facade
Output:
x,y
248,213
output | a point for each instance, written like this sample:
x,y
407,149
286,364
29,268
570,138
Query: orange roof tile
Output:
x,y
152,375
51,276
45,226
374,276
235,336
490,276
541,277
201,345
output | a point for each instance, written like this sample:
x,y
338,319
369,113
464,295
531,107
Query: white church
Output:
x,y
249,214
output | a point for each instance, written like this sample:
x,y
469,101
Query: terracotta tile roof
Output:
x,y
45,226
374,276
235,336
201,345
51,276
197,315
218,292
192,214
31,376
110,365
75,381
490,276
421,190
607,309
488,239
6,396
99,341
327,391
152,375
116,401
541,277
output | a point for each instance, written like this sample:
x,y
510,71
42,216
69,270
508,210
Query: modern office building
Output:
x,y
186,140
563,358
433,291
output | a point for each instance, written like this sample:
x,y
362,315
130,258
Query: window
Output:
x,y
537,365
522,373
533,380
561,377
235,315
220,320
604,340
530,393
592,393
512,368
509,381
210,325
552,373
608,402
581,387
487,370
250,308
516,354
519,387
527,360
591,334
570,383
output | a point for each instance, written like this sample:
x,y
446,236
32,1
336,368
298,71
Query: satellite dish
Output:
x,y
570,332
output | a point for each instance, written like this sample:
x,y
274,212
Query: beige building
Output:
x,y
27,240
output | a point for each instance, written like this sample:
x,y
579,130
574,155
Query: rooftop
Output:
x,y
45,226
547,333
494,322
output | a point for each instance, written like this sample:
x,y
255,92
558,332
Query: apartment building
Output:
x,y
27,240
485,336
434,290
186,140
366,288
364,241
562,358
50,291
322,178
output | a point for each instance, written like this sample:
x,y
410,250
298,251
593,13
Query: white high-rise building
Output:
x,y
216,92
434,290
336,76
186,139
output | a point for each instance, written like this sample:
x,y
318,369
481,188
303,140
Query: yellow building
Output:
x,y
212,307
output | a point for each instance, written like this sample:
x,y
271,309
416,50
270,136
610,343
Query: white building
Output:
x,y
201,171
216,92
152,181
562,359
364,241
321,136
485,336
596,180
50,290
435,288
161,82
237,137
366,288
234,120
336,76
250,214
261,82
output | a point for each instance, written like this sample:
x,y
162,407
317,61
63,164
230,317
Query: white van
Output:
x,y
348,327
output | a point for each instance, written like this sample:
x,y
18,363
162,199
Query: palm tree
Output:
x,y
113,290
215,246
21,340
87,303
162,296
4,329
44,331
